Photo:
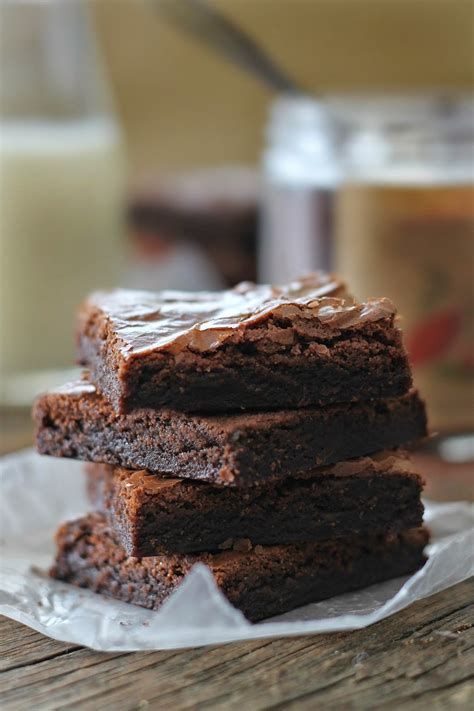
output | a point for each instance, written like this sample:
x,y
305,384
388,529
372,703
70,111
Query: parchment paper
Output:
x,y
37,493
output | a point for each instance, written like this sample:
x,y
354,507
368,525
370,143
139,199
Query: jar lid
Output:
x,y
407,139
301,143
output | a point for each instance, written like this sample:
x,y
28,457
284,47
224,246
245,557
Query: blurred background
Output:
x,y
133,153
181,106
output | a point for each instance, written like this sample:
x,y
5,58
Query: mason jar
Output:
x,y
405,229
300,174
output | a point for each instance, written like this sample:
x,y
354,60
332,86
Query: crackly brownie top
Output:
x,y
146,321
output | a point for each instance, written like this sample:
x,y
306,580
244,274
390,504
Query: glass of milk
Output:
x,y
61,188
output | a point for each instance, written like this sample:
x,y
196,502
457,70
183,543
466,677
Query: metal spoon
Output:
x,y
208,25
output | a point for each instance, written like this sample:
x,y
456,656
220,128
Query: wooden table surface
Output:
x,y
421,658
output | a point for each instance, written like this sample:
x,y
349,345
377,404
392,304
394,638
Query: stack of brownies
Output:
x,y
256,430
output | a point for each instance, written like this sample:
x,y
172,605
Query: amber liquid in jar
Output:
x,y
415,244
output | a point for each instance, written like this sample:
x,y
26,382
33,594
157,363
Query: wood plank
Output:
x,y
20,646
422,657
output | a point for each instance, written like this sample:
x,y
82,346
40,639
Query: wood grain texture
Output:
x,y
421,658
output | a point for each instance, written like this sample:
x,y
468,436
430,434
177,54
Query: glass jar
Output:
x,y
300,174
405,229
61,187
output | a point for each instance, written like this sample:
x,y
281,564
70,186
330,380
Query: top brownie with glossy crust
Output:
x,y
251,347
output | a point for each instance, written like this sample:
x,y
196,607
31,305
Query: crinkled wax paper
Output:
x,y
39,492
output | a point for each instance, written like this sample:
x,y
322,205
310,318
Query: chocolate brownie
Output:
x,y
152,514
75,421
260,581
251,347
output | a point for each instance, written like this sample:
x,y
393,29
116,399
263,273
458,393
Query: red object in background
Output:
x,y
432,337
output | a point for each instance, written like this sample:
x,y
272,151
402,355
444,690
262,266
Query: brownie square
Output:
x,y
251,347
151,514
244,448
262,582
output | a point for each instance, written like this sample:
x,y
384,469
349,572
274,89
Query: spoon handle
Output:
x,y
208,25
